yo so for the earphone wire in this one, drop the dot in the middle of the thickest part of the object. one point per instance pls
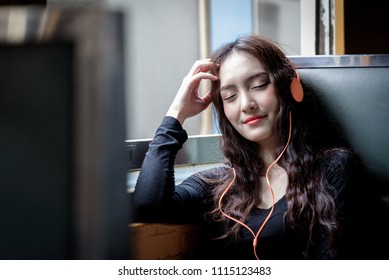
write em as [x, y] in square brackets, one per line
[255, 240]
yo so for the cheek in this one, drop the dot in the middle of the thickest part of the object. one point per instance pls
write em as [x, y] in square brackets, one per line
[270, 101]
[230, 113]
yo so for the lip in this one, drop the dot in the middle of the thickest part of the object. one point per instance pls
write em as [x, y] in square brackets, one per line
[253, 119]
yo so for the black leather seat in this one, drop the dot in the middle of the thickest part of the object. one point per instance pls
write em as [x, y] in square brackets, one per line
[355, 92]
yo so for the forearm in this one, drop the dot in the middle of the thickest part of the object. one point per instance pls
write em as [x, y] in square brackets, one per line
[155, 185]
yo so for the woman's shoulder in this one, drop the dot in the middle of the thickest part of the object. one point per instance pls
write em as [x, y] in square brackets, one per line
[340, 167]
[337, 159]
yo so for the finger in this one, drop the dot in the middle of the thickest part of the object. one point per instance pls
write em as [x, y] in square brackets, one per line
[202, 76]
[207, 99]
[203, 65]
[195, 80]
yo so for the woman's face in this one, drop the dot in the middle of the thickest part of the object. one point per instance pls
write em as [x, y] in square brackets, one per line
[249, 98]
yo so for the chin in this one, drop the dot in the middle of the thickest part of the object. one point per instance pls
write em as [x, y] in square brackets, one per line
[258, 138]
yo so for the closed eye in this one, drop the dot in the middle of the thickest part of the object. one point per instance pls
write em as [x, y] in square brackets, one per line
[230, 97]
[261, 86]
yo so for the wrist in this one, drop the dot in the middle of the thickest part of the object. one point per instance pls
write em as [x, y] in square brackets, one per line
[176, 114]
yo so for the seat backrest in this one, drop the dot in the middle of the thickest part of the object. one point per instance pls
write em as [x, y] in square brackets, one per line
[354, 90]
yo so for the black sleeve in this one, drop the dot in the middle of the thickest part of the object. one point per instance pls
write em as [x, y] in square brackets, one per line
[156, 197]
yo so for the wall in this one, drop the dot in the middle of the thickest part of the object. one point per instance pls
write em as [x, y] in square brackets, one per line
[162, 42]
[280, 20]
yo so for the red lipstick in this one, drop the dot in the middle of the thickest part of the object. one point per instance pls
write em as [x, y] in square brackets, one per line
[253, 119]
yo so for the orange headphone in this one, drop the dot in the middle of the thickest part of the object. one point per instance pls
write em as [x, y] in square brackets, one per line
[297, 92]
[297, 89]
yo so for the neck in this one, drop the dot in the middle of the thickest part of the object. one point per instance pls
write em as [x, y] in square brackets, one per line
[267, 151]
[268, 157]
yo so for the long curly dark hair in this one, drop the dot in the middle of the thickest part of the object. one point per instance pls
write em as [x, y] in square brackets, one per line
[310, 202]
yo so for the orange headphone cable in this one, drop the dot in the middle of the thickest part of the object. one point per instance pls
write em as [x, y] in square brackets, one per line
[255, 240]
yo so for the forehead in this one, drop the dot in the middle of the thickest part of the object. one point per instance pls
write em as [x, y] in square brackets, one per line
[239, 65]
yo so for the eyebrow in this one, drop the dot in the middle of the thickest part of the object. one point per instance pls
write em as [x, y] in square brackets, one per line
[250, 78]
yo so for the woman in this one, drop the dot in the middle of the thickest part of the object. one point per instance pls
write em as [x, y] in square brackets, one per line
[282, 192]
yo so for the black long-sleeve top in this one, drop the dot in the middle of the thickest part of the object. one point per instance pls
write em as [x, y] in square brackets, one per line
[157, 198]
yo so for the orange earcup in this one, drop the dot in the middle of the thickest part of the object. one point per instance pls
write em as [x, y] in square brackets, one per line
[297, 89]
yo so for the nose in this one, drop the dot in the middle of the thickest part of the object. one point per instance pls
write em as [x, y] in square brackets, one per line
[248, 104]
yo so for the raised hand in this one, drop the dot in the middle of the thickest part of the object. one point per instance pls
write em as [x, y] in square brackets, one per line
[187, 102]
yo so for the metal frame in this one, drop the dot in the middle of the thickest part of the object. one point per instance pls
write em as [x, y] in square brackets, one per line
[196, 150]
[336, 61]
